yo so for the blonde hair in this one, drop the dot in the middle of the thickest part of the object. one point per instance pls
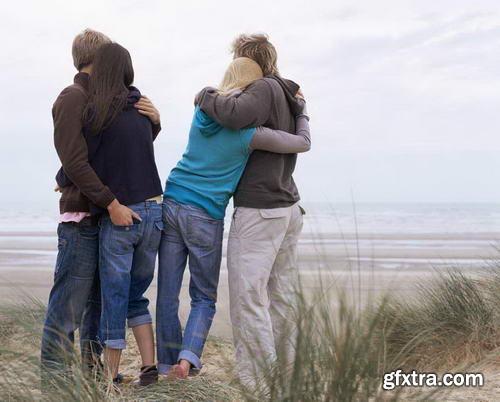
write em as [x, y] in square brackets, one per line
[85, 46]
[241, 72]
[257, 47]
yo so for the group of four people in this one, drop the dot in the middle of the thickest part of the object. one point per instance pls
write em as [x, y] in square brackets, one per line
[116, 217]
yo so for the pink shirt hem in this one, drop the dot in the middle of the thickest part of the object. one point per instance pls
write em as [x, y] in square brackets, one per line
[73, 217]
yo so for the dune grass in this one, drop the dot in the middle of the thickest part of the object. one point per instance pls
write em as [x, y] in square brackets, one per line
[339, 356]
[450, 324]
[20, 334]
[342, 350]
[451, 321]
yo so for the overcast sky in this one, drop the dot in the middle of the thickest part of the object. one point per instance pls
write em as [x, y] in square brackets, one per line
[404, 96]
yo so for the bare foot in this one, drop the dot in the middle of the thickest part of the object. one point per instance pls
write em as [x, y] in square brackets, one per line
[180, 371]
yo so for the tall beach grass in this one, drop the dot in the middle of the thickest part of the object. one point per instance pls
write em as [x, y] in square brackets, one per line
[342, 350]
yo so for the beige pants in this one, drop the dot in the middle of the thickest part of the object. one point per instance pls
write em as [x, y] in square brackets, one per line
[263, 274]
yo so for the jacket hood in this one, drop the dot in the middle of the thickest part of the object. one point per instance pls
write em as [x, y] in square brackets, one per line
[290, 89]
[134, 95]
[205, 123]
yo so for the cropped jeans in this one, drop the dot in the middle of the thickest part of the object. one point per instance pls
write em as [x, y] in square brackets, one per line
[127, 256]
[189, 232]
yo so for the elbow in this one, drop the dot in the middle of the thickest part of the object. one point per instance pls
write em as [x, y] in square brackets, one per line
[306, 147]
[156, 129]
[71, 168]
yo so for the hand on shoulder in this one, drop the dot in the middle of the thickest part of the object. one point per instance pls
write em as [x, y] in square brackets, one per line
[147, 108]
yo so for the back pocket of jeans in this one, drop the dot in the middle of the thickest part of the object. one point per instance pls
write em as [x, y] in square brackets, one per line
[202, 232]
[155, 238]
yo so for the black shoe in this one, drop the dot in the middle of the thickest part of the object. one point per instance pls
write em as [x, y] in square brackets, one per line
[96, 371]
[118, 379]
[92, 366]
[93, 369]
[148, 376]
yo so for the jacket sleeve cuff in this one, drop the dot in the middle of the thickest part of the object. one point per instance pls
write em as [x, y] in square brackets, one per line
[106, 198]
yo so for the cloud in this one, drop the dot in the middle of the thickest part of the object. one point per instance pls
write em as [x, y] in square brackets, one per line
[385, 77]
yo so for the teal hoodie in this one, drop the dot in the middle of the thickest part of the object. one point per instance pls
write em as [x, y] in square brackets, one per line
[211, 166]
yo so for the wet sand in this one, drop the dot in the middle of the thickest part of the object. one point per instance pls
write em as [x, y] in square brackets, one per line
[362, 265]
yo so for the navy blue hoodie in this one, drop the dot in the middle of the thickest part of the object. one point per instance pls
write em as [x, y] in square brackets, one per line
[122, 155]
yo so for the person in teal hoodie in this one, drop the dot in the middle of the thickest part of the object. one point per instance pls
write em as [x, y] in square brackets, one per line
[197, 193]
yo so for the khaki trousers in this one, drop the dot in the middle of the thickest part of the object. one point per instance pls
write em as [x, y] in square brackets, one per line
[263, 275]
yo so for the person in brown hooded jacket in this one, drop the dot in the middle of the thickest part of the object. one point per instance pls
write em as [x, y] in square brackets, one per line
[267, 218]
[74, 301]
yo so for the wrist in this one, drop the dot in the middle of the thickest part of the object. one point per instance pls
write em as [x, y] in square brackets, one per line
[113, 205]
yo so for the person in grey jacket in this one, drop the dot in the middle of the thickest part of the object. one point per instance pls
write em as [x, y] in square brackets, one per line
[267, 219]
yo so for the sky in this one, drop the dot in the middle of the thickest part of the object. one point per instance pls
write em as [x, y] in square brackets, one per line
[404, 96]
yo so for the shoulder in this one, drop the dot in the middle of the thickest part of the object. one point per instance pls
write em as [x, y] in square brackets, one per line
[262, 88]
[271, 82]
[134, 94]
[200, 114]
[278, 83]
[263, 84]
[202, 119]
[271, 85]
[72, 96]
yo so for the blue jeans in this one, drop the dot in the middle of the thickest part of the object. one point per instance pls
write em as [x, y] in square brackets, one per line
[127, 256]
[189, 231]
[74, 300]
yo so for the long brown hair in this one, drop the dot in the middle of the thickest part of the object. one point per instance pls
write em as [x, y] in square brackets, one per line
[112, 74]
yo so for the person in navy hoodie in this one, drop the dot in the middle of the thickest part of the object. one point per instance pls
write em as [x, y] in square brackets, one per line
[120, 146]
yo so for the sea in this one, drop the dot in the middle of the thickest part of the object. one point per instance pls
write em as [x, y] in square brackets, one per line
[382, 235]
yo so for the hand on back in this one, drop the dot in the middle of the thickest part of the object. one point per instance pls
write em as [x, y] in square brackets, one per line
[302, 99]
[147, 108]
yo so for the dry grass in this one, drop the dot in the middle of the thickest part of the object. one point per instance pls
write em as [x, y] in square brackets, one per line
[450, 322]
[20, 329]
[342, 352]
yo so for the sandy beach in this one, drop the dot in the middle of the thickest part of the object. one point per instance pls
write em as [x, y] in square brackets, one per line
[386, 251]
[363, 265]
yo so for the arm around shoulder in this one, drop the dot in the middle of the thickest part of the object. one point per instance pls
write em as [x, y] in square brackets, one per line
[282, 142]
[251, 108]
